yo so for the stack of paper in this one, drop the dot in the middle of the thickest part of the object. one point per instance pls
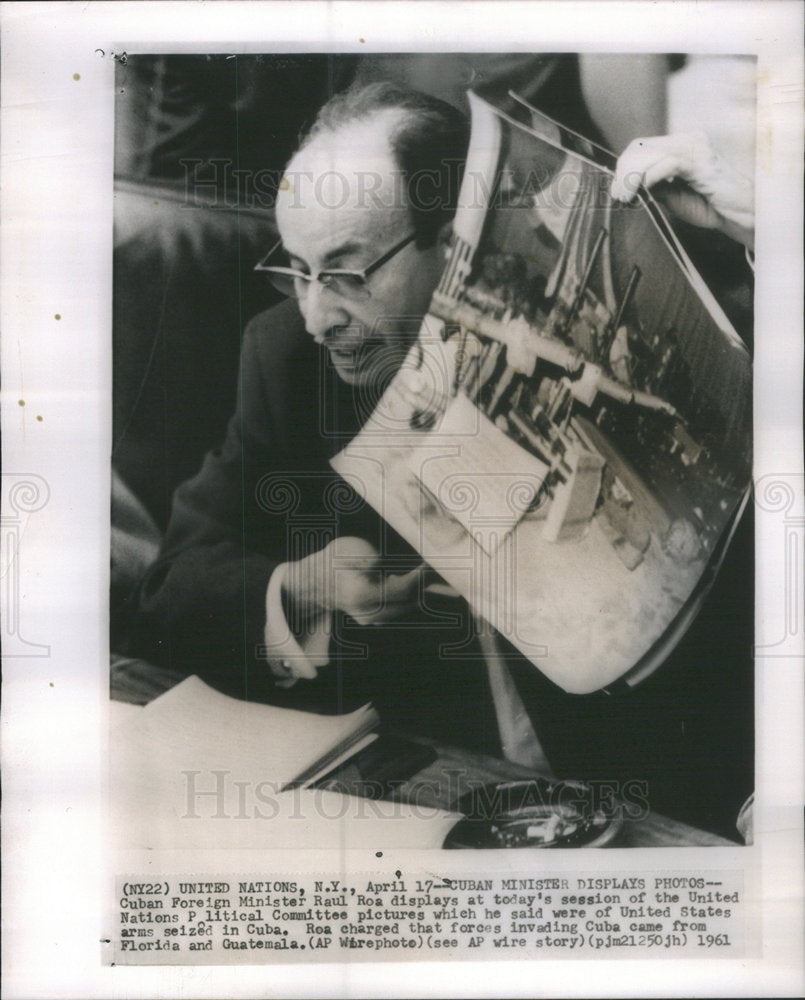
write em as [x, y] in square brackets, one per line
[196, 768]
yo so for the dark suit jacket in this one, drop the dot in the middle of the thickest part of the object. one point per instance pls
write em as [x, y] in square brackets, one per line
[268, 495]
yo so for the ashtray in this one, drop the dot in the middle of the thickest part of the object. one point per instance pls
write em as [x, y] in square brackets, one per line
[538, 814]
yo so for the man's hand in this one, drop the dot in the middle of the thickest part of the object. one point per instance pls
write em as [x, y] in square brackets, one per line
[347, 575]
[714, 196]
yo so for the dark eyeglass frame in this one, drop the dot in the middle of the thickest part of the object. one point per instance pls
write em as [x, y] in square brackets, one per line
[283, 277]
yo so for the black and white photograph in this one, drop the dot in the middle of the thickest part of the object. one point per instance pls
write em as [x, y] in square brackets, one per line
[418, 406]
[446, 522]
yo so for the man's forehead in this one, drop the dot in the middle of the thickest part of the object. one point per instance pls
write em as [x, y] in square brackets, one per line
[347, 179]
[352, 155]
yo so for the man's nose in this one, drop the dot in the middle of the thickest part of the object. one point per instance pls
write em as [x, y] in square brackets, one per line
[322, 310]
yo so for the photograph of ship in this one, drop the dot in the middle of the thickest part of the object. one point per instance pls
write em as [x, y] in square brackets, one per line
[577, 409]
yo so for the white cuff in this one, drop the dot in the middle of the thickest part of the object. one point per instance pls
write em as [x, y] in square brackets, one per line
[292, 657]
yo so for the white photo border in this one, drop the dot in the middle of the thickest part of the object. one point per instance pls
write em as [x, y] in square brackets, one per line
[56, 174]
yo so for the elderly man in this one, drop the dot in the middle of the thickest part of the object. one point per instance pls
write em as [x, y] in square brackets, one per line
[266, 542]
[277, 582]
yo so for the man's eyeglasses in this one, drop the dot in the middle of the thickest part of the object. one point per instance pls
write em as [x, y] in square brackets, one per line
[351, 284]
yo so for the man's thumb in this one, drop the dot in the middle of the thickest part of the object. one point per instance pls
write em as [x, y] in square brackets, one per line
[400, 585]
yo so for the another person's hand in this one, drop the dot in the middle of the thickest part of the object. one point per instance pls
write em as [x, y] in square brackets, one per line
[714, 195]
[348, 575]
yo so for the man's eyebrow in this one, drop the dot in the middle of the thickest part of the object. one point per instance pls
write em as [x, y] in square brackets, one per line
[342, 250]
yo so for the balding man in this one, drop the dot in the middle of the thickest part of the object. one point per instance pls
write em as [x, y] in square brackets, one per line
[274, 575]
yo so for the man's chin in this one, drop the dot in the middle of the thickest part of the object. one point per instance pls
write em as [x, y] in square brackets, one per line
[348, 373]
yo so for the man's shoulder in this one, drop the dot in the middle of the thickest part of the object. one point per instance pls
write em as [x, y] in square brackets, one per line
[277, 355]
[278, 333]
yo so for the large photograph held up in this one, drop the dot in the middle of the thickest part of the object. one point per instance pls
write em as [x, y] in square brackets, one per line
[540, 473]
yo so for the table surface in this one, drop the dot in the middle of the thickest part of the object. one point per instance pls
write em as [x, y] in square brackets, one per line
[439, 783]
